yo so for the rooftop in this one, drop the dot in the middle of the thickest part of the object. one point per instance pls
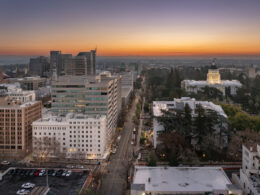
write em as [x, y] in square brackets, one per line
[166, 105]
[47, 118]
[181, 179]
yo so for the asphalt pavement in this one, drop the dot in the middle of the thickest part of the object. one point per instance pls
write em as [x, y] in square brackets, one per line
[114, 182]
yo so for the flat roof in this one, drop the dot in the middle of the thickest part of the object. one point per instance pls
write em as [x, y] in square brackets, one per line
[181, 179]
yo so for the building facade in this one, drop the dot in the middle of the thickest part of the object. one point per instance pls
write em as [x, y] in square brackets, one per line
[75, 135]
[249, 179]
[91, 61]
[39, 66]
[182, 180]
[15, 126]
[179, 104]
[90, 95]
[214, 81]
[17, 94]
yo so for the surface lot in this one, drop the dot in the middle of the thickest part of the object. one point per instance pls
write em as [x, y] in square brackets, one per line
[58, 185]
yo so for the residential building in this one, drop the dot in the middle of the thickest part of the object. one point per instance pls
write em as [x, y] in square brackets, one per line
[17, 93]
[76, 135]
[91, 61]
[214, 81]
[39, 66]
[249, 179]
[182, 180]
[90, 95]
[15, 126]
[179, 104]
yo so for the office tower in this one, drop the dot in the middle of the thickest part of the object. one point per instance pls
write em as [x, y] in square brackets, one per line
[76, 136]
[78, 66]
[64, 62]
[91, 95]
[15, 126]
[54, 55]
[91, 61]
[39, 66]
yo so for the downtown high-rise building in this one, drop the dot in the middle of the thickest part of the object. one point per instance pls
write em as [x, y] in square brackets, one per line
[39, 66]
[65, 64]
[91, 61]
[91, 95]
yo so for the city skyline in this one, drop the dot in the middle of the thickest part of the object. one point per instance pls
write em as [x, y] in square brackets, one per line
[136, 28]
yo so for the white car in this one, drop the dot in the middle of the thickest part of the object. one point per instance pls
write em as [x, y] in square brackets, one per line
[68, 173]
[64, 173]
[28, 185]
[5, 162]
[23, 192]
[42, 172]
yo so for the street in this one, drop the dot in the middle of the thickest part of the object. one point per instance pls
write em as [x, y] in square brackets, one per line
[114, 182]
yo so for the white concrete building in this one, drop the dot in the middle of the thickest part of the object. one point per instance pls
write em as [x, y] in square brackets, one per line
[180, 105]
[249, 179]
[17, 93]
[213, 80]
[75, 134]
[182, 180]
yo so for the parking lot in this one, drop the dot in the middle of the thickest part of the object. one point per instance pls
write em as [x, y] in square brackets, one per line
[67, 184]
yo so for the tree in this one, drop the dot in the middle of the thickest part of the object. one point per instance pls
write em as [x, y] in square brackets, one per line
[47, 147]
[173, 161]
[151, 161]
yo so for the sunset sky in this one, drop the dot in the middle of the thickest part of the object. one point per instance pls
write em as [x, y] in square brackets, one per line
[130, 27]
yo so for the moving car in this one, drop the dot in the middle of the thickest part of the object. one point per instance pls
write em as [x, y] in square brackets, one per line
[28, 185]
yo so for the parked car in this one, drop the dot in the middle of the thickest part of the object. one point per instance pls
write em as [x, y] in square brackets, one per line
[54, 173]
[42, 172]
[31, 172]
[23, 192]
[50, 172]
[36, 173]
[5, 162]
[59, 172]
[68, 173]
[64, 173]
[10, 172]
[28, 185]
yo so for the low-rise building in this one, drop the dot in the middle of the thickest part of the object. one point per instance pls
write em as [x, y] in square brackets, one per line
[17, 93]
[179, 104]
[182, 180]
[249, 179]
[74, 135]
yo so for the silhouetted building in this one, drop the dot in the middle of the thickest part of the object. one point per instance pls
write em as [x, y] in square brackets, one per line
[39, 66]
[78, 67]
[54, 55]
[91, 61]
